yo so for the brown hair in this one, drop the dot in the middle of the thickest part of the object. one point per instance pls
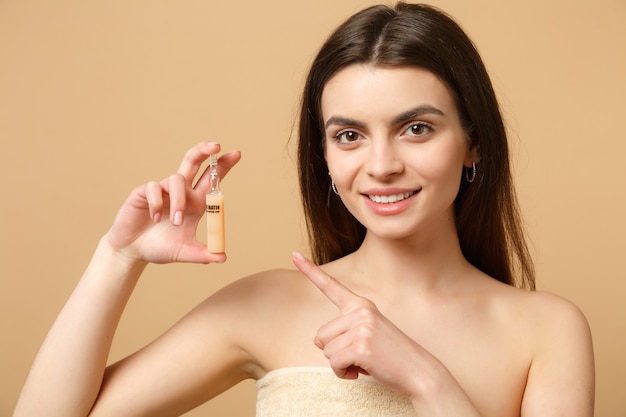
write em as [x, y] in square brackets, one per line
[487, 215]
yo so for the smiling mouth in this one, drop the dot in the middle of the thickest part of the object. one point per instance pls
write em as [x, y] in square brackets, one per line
[393, 198]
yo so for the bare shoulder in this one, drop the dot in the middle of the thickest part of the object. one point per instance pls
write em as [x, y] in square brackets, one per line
[549, 314]
[539, 310]
[271, 316]
[558, 325]
[555, 306]
[264, 288]
[561, 376]
[541, 323]
[249, 302]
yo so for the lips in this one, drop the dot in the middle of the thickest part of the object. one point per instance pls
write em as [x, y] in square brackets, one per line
[391, 198]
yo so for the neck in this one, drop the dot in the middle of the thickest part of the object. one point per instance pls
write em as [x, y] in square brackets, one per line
[430, 261]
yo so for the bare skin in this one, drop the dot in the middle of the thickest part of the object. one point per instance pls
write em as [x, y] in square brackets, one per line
[406, 308]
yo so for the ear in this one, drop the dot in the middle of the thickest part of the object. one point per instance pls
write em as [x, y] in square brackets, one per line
[472, 156]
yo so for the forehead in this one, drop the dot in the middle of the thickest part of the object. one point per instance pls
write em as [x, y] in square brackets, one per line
[372, 91]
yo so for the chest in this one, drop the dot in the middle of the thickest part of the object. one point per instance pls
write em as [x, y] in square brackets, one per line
[487, 355]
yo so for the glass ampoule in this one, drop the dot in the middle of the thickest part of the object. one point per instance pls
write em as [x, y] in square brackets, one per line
[215, 210]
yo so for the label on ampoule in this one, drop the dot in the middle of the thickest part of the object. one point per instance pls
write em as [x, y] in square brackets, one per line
[215, 223]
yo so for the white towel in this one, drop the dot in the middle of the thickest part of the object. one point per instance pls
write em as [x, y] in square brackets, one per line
[317, 391]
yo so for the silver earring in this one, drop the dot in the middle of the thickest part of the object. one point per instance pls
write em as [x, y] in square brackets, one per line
[332, 185]
[473, 177]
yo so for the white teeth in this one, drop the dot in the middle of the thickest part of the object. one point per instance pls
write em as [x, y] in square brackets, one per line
[390, 198]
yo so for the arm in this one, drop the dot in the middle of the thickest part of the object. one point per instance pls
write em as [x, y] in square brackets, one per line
[73, 356]
[561, 380]
[157, 223]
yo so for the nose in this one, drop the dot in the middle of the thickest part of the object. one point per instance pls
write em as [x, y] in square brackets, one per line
[383, 160]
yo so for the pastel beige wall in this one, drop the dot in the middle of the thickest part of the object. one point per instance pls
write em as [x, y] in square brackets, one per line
[97, 97]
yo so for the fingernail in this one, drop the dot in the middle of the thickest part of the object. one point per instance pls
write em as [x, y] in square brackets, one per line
[178, 218]
[157, 217]
[297, 255]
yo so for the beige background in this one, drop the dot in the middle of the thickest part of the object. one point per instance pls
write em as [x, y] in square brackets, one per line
[97, 97]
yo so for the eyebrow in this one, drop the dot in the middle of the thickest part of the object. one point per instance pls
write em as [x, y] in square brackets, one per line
[415, 112]
[343, 121]
[407, 115]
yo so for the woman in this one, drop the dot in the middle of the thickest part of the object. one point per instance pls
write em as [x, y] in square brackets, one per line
[415, 308]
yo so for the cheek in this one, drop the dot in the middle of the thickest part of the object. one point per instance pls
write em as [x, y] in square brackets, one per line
[442, 170]
[442, 162]
[342, 177]
[341, 167]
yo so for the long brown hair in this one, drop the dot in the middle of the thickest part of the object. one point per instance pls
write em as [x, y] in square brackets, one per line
[487, 215]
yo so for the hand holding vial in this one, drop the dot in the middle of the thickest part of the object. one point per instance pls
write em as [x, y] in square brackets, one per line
[158, 221]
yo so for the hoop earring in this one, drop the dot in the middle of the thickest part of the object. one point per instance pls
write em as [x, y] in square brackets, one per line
[473, 177]
[332, 186]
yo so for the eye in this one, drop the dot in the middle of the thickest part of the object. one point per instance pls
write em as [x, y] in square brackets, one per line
[346, 137]
[418, 129]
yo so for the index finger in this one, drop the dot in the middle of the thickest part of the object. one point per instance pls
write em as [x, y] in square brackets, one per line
[194, 158]
[336, 292]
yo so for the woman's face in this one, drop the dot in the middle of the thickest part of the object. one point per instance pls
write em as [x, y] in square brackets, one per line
[394, 146]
